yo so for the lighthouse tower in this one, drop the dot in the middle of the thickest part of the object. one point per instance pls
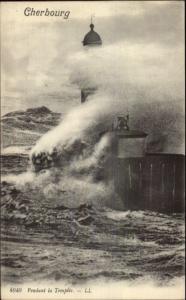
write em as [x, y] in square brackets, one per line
[91, 39]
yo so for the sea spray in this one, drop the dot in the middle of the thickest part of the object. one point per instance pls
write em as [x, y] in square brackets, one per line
[124, 71]
[139, 80]
[75, 136]
[124, 82]
[70, 149]
[75, 124]
[82, 179]
[97, 158]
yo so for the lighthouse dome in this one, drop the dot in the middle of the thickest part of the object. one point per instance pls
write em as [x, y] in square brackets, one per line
[92, 38]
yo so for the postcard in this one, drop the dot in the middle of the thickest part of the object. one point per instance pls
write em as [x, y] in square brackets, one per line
[92, 151]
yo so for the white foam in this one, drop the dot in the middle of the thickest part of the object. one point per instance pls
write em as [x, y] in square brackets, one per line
[15, 150]
[20, 179]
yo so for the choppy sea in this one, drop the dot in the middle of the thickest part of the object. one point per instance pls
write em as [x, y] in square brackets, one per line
[43, 239]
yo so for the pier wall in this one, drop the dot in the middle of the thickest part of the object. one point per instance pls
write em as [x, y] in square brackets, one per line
[153, 182]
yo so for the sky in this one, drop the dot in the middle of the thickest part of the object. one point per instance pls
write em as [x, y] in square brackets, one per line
[38, 53]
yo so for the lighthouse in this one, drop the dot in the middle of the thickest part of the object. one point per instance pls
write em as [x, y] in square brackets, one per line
[126, 142]
[91, 39]
[142, 180]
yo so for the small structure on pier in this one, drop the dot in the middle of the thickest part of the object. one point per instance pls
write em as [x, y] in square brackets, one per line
[127, 143]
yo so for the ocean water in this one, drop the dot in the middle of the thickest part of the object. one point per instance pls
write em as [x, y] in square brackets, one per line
[44, 239]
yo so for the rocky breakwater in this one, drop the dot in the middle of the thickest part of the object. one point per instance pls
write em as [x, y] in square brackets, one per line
[57, 158]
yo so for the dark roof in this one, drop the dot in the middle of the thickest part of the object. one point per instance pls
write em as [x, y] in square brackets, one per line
[92, 38]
